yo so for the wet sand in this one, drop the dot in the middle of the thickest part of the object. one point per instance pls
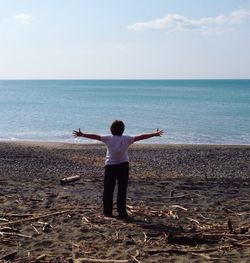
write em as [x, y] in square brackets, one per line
[189, 203]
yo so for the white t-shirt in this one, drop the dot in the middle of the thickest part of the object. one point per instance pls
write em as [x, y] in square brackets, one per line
[117, 148]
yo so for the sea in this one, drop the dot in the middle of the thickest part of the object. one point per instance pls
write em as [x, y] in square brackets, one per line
[189, 111]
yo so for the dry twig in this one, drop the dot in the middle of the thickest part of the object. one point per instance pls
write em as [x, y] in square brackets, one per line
[33, 218]
[90, 260]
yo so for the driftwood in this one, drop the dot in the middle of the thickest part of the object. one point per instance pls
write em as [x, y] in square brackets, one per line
[70, 179]
[136, 255]
[180, 207]
[14, 234]
[193, 220]
[17, 215]
[90, 260]
[41, 257]
[33, 218]
[4, 220]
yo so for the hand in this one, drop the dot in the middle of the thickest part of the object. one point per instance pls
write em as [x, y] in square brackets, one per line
[77, 133]
[159, 132]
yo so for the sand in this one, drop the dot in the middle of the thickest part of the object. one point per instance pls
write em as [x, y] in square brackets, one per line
[189, 203]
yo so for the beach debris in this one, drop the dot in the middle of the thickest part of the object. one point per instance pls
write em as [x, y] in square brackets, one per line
[70, 179]
[202, 229]
[173, 214]
[180, 207]
[4, 220]
[46, 227]
[14, 234]
[148, 211]
[41, 257]
[91, 260]
[17, 215]
[84, 218]
[137, 254]
[193, 220]
[117, 234]
[34, 218]
[35, 229]
[7, 229]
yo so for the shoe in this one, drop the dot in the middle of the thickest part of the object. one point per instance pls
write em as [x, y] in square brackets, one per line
[108, 215]
[126, 218]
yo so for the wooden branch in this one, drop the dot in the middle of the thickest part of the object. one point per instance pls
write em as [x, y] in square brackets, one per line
[136, 255]
[33, 218]
[14, 234]
[70, 179]
[35, 229]
[4, 220]
[193, 220]
[180, 207]
[17, 215]
[90, 260]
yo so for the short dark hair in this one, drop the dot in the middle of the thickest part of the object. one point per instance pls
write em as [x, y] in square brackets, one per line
[117, 127]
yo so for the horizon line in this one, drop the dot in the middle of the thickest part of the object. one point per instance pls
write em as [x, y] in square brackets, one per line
[117, 79]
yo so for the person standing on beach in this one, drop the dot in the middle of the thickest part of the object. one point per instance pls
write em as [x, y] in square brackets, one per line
[116, 164]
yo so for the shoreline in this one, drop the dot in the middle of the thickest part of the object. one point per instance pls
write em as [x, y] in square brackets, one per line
[144, 144]
[183, 160]
[180, 196]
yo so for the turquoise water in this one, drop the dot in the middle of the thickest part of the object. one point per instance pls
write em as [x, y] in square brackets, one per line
[191, 111]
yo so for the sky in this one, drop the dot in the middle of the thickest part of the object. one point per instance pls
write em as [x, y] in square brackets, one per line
[132, 39]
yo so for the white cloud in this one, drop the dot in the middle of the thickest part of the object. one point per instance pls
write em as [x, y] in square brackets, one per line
[6, 20]
[175, 22]
[23, 18]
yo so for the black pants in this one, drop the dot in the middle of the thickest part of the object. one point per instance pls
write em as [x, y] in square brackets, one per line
[120, 173]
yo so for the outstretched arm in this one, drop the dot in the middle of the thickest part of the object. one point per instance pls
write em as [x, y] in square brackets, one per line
[148, 135]
[86, 135]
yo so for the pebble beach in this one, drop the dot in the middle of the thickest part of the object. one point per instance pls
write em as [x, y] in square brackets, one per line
[189, 203]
